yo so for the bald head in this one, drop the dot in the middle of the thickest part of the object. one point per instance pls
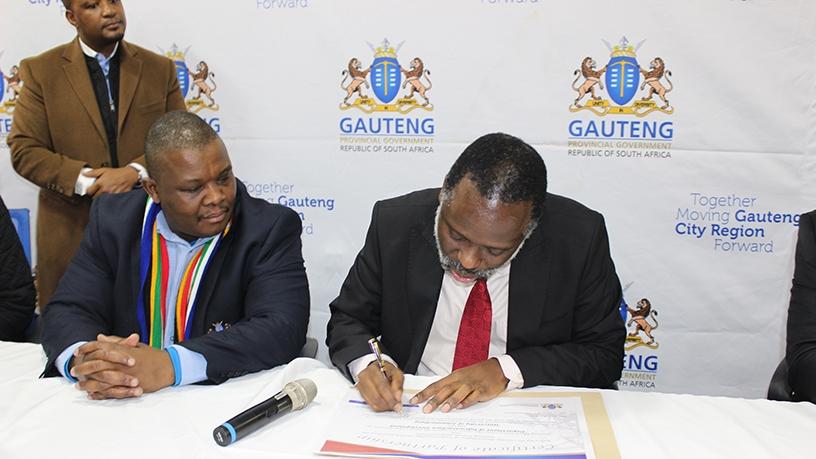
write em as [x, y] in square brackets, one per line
[175, 131]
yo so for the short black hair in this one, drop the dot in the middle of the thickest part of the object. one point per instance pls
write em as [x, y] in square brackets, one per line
[504, 167]
[174, 131]
[66, 4]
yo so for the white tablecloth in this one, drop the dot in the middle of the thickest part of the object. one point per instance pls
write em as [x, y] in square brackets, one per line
[50, 418]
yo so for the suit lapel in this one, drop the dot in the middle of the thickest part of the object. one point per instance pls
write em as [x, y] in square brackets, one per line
[423, 283]
[130, 71]
[529, 273]
[76, 71]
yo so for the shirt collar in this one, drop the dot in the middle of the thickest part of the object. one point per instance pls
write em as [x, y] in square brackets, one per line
[90, 52]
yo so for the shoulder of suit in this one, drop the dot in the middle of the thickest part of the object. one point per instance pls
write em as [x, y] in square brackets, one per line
[127, 207]
[560, 207]
[422, 198]
[47, 57]
[119, 200]
[145, 54]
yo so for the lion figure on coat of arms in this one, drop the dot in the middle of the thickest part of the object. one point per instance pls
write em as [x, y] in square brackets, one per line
[640, 318]
[591, 77]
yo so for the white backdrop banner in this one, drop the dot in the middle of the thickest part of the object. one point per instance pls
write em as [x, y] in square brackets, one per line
[689, 125]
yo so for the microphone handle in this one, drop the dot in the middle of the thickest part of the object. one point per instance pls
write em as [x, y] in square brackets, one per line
[252, 419]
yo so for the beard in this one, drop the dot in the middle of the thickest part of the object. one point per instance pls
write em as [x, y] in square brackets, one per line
[449, 263]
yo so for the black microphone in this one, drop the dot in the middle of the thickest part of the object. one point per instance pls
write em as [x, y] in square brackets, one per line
[294, 396]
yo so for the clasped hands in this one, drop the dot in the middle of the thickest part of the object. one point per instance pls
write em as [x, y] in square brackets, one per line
[463, 388]
[116, 367]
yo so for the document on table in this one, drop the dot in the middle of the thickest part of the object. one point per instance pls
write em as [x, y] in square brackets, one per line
[530, 427]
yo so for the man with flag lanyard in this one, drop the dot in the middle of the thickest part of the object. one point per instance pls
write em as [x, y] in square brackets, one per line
[490, 280]
[188, 280]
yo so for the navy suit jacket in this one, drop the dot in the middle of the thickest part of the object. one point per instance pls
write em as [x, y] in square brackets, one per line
[801, 346]
[256, 284]
[563, 326]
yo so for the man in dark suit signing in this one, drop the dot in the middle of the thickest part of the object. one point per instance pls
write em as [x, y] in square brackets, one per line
[189, 279]
[488, 280]
[801, 340]
[80, 123]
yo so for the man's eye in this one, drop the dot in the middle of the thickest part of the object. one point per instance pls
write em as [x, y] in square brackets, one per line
[192, 190]
[496, 252]
[456, 236]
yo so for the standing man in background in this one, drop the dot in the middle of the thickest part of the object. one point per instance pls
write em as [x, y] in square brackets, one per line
[80, 124]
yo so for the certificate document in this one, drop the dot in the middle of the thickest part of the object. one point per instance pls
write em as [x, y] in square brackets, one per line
[530, 427]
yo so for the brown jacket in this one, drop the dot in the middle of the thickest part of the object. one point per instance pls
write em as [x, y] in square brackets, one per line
[57, 130]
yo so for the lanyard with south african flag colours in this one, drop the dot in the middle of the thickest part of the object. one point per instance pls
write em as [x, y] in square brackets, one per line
[154, 267]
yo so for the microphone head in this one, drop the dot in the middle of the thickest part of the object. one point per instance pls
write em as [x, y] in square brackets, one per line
[301, 391]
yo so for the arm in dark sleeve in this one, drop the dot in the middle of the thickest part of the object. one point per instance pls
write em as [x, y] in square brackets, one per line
[593, 357]
[356, 312]
[801, 340]
[16, 286]
[276, 305]
[30, 143]
[82, 305]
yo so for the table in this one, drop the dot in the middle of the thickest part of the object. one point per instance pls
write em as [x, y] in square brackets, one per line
[50, 418]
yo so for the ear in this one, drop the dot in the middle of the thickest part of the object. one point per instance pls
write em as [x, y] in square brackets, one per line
[69, 15]
[150, 186]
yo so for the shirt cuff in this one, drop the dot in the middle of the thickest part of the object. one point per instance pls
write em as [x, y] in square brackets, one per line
[64, 359]
[511, 371]
[359, 364]
[83, 182]
[141, 170]
[192, 365]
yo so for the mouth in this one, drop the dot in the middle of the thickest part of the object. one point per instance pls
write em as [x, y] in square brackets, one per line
[112, 25]
[463, 278]
[216, 217]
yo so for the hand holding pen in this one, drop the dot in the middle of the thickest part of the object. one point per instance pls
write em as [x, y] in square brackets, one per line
[374, 344]
[380, 383]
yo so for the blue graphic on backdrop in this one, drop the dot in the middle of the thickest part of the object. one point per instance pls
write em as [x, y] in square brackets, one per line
[622, 78]
[386, 81]
[386, 77]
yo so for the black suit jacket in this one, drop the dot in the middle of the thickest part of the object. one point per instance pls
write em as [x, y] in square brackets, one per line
[564, 325]
[16, 285]
[256, 283]
[801, 348]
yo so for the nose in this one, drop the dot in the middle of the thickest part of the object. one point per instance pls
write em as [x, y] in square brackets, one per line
[214, 195]
[469, 257]
[107, 8]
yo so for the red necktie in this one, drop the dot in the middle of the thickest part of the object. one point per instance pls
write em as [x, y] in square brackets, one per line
[473, 341]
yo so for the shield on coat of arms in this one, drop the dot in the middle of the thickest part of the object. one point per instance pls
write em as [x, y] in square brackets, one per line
[385, 78]
[622, 78]
[183, 75]
[2, 86]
